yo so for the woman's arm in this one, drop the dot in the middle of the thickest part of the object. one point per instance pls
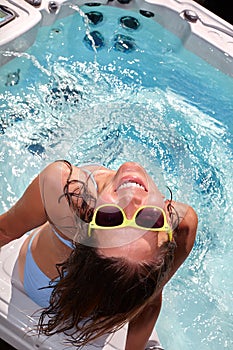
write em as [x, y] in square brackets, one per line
[141, 328]
[43, 200]
[185, 236]
[29, 211]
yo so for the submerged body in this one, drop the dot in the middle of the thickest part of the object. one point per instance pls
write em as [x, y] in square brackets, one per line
[55, 240]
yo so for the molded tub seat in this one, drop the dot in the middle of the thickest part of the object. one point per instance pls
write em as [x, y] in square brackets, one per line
[19, 314]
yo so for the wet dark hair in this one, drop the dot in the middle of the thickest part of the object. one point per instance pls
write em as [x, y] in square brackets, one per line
[79, 199]
[102, 292]
[96, 294]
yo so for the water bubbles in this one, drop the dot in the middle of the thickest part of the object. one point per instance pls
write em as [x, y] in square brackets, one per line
[60, 94]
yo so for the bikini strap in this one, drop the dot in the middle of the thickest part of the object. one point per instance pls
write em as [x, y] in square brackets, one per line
[63, 240]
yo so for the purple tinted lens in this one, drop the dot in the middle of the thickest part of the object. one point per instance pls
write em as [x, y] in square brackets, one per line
[109, 217]
[150, 218]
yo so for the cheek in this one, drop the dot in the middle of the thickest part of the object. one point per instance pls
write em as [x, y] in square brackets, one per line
[155, 197]
[106, 196]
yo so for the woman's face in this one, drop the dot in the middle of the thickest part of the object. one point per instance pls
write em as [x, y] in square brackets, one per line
[130, 187]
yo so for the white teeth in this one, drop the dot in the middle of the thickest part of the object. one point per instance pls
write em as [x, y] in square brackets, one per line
[130, 184]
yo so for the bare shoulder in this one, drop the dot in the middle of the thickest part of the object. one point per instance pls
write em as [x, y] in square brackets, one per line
[56, 171]
[188, 224]
[55, 176]
[184, 234]
[185, 215]
[60, 171]
[191, 217]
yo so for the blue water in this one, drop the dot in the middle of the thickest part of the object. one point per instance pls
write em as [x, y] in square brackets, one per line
[159, 105]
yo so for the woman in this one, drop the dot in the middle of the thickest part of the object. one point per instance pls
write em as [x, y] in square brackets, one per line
[105, 243]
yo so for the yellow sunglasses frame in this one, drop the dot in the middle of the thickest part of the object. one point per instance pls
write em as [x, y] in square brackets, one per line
[130, 222]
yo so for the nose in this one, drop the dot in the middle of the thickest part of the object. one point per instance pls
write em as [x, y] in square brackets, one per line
[130, 201]
[131, 207]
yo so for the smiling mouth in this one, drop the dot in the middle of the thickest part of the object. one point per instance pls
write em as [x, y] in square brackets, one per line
[130, 184]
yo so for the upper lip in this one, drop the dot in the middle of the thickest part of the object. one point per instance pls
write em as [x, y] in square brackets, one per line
[132, 179]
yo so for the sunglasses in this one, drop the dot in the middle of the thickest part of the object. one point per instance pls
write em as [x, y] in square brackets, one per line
[111, 216]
